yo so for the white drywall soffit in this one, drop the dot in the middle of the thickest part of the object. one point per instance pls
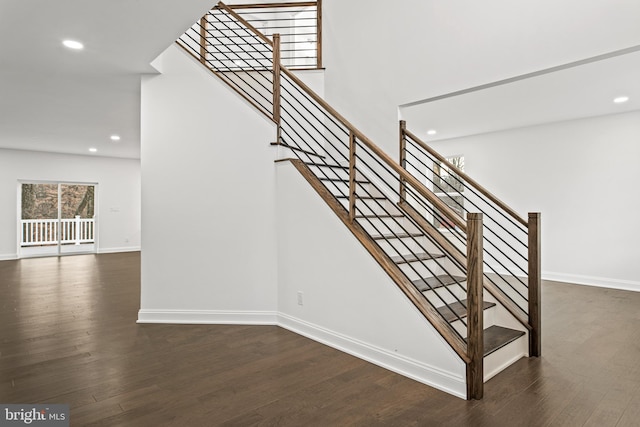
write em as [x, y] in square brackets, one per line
[582, 89]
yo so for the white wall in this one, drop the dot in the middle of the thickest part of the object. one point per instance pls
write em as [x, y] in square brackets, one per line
[380, 55]
[118, 204]
[582, 175]
[349, 302]
[208, 200]
[261, 235]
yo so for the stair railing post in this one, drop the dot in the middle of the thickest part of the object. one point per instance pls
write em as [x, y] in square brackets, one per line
[352, 176]
[203, 40]
[78, 231]
[535, 278]
[403, 159]
[276, 81]
[475, 327]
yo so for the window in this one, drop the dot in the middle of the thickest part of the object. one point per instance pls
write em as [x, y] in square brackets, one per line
[448, 187]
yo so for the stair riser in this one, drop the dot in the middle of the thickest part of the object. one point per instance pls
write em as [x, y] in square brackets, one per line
[376, 226]
[488, 319]
[373, 207]
[342, 188]
[406, 245]
[421, 269]
[446, 294]
[506, 356]
[339, 173]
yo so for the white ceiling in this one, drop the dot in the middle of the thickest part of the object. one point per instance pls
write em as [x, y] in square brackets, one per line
[572, 91]
[59, 100]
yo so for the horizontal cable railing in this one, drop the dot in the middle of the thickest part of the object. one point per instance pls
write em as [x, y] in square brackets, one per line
[368, 188]
[506, 238]
[297, 23]
[240, 56]
[395, 205]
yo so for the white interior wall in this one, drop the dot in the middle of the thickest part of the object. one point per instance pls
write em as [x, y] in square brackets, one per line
[208, 205]
[582, 175]
[261, 234]
[419, 49]
[118, 204]
[378, 55]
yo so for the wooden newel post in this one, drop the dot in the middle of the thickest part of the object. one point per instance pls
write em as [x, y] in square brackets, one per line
[276, 80]
[352, 176]
[203, 40]
[475, 326]
[535, 277]
[403, 159]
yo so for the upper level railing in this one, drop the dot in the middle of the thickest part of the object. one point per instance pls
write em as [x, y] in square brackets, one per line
[299, 24]
[511, 253]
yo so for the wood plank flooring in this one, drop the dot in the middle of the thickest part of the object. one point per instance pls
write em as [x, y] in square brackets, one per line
[68, 335]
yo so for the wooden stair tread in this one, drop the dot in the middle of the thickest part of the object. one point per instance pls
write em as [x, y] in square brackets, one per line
[496, 337]
[395, 236]
[291, 147]
[455, 311]
[430, 283]
[363, 197]
[324, 165]
[345, 180]
[414, 257]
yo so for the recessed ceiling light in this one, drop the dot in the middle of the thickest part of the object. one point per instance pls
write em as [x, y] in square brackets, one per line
[115, 137]
[72, 44]
[621, 99]
[431, 132]
[93, 150]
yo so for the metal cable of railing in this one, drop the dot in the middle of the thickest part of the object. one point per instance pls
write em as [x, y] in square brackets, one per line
[488, 225]
[396, 193]
[471, 189]
[402, 252]
[298, 25]
[318, 137]
[220, 66]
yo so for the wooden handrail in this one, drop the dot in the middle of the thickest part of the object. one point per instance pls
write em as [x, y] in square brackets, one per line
[467, 178]
[403, 174]
[245, 23]
[272, 5]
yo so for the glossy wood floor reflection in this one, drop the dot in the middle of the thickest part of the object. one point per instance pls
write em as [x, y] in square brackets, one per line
[68, 335]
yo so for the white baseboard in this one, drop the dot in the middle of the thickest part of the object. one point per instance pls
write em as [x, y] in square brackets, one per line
[117, 250]
[208, 317]
[601, 282]
[8, 257]
[446, 381]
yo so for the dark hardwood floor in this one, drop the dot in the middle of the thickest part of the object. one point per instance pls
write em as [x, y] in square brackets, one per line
[68, 335]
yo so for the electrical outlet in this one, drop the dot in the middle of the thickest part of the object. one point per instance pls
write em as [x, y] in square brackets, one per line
[299, 298]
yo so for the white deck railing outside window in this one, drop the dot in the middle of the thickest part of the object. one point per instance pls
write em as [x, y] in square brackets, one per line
[42, 232]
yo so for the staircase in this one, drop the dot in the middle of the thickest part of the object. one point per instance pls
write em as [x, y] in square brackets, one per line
[389, 208]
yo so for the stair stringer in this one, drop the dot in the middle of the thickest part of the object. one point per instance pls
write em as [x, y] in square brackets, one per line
[349, 301]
